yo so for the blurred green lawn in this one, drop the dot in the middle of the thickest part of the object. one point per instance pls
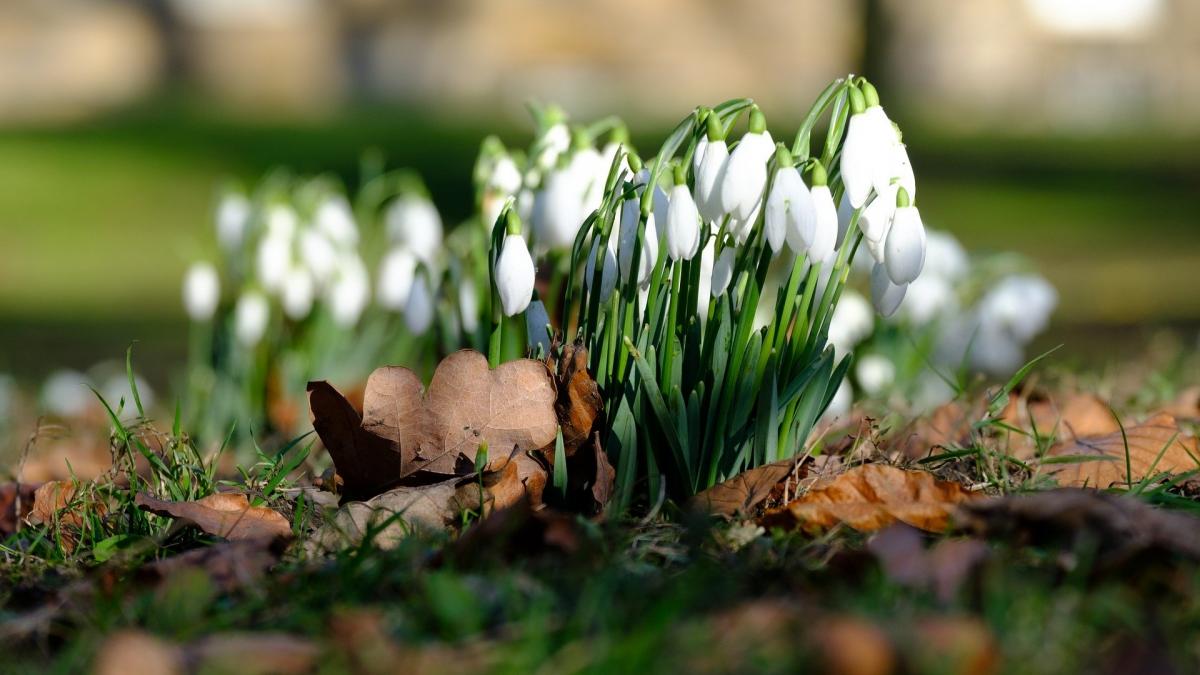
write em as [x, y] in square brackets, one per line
[97, 221]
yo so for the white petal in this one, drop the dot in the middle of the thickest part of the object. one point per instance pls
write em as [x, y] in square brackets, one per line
[683, 225]
[418, 313]
[723, 270]
[885, 295]
[876, 219]
[708, 179]
[826, 227]
[514, 275]
[905, 251]
[801, 214]
[745, 177]
[858, 155]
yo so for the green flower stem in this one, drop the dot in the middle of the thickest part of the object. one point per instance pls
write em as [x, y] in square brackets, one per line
[668, 346]
[800, 147]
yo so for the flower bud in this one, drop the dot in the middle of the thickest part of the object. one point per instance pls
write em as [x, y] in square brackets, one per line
[683, 224]
[350, 291]
[825, 228]
[396, 274]
[904, 254]
[250, 317]
[744, 180]
[201, 291]
[296, 296]
[514, 275]
[630, 215]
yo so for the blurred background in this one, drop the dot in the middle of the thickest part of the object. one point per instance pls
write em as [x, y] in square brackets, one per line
[1066, 130]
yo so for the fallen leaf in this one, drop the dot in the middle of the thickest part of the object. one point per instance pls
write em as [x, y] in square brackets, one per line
[252, 654]
[1186, 405]
[391, 516]
[224, 514]
[1122, 528]
[50, 502]
[16, 501]
[871, 497]
[590, 480]
[1041, 416]
[1155, 446]
[522, 477]
[230, 565]
[515, 532]
[852, 646]
[403, 431]
[578, 403]
[134, 651]
[744, 492]
[948, 426]
[952, 644]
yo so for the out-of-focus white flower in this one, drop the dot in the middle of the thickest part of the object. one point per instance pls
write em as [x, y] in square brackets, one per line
[825, 229]
[555, 141]
[931, 392]
[201, 291]
[592, 172]
[250, 317]
[350, 291]
[65, 393]
[928, 297]
[608, 273]
[944, 257]
[1020, 305]
[282, 221]
[297, 293]
[468, 306]
[875, 374]
[840, 404]
[396, 274]
[905, 249]
[335, 220]
[414, 223]
[514, 275]
[723, 270]
[232, 219]
[558, 211]
[851, 322]
[116, 389]
[995, 350]
[318, 254]
[648, 256]
[274, 259]
[418, 313]
[683, 224]
[745, 176]
[791, 214]
[885, 295]
[505, 176]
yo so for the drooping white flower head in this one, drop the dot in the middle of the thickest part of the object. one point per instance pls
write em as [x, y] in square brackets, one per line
[876, 373]
[335, 221]
[515, 273]
[414, 223]
[396, 274]
[297, 293]
[711, 157]
[707, 261]
[65, 393]
[840, 404]
[885, 295]
[683, 221]
[745, 176]
[929, 296]
[630, 217]
[1019, 305]
[201, 291]
[232, 219]
[851, 322]
[468, 306]
[825, 227]
[791, 214]
[558, 210]
[862, 151]
[944, 257]
[875, 221]
[350, 291]
[554, 142]
[506, 176]
[250, 317]
[905, 250]
[274, 259]
[418, 312]
[723, 271]
[318, 254]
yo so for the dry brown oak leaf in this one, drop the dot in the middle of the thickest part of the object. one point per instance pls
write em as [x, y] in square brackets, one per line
[225, 515]
[404, 429]
[871, 497]
[1156, 446]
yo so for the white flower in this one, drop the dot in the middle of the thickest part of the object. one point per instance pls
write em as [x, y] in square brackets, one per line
[723, 271]
[250, 317]
[553, 143]
[708, 180]
[414, 222]
[944, 257]
[928, 297]
[839, 405]
[904, 253]
[65, 393]
[875, 374]
[825, 229]
[875, 221]
[851, 322]
[350, 291]
[396, 274]
[418, 313]
[860, 155]
[335, 220]
[296, 296]
[505, 177]
[514, 275]
[791, 214]
[318, 254]
[201, 291]
[707, 261]
[744, 179]
[232, 217]
[648, 256]
[282, 221]
[742, 229]
[683, 224]
[608, 273]
[885, 295]
[1020, 305]
[468, 306]
[558, 211]
[591, 173]
[274, 259]
[845, 215]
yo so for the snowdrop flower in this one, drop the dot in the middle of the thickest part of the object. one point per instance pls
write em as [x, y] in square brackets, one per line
[928, 297]
[905, 250]
[297, 293]
[839, 405]
[885, 295]
[116, 389]
[505, 177]
[418, 313]
[65, 394]
[711, 158]
[413, 222]
[845, 215]
[722, 273]
[514, 270]
[232, 217]
[335, 220]
[608, 273]
[591, 173]
[558, 211]
[875, 221]
[995, 351]
[1020, 305]
[683, 221]
[201, 291]
[350, 290]
[631, 212]
[875, 374]
[396, 274]
[274, 259]
[862, 152]
[851, 322]
[744, 179]
[250, 317]
[791, 214]
[742, 229]
[468, 306]
[554, 142]
[945, 257]
[705, 294]
[282, 222]
[318, 254]
[825, 226]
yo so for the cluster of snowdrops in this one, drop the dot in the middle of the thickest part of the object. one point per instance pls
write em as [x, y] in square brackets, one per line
[720, 285]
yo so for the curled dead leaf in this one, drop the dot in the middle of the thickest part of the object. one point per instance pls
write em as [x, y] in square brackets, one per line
[225, 515]
[404, 430]
[1124, 458]
[744, 492]
[16, 502]
[871, 497]
[578, 403]
[230, 564]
